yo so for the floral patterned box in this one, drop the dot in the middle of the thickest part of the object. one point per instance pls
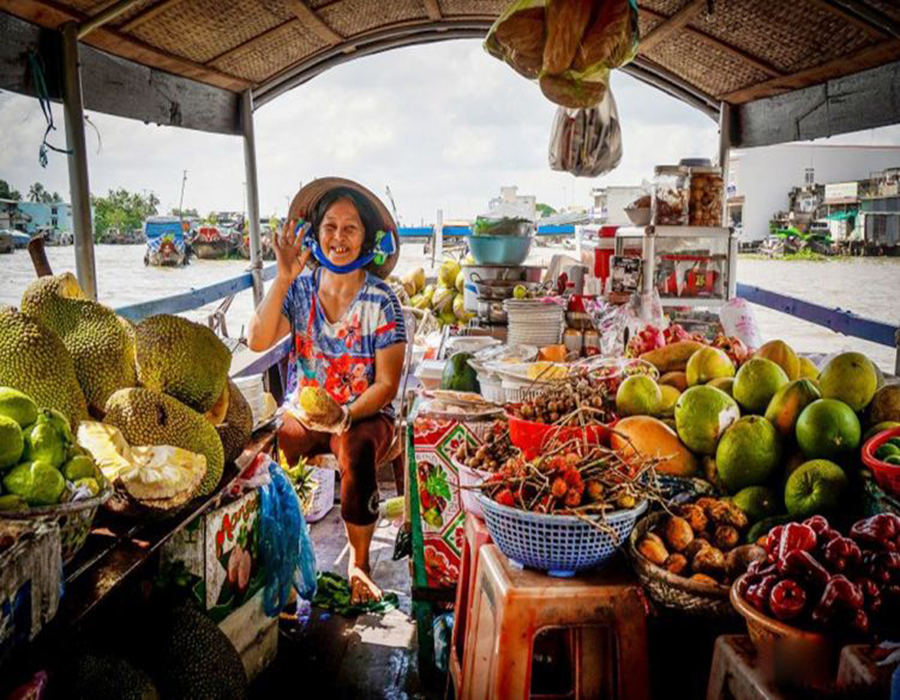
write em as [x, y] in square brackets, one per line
[437, 514]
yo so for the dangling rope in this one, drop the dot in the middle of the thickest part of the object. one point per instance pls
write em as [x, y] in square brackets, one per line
[36, 64]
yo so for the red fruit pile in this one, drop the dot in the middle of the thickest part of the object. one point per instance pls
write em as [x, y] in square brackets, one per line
[815, 577]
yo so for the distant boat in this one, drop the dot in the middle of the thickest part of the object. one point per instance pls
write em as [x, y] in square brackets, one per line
[268, 252]
[211, 242]
[7, 245]
[20, 240]
[166, 245]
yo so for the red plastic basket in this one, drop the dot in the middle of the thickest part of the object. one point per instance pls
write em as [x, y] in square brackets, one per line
[532, 438]
[887, 476]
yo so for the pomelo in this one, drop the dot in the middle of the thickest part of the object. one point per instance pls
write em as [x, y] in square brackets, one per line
[748, 453]
[702, 414]
[756, 382]
[885, 405]
[639, 395]
[808, 369]
[726, 384]
[782, 355]
[707, 364]
[850, 377]
[828, 428]
[669, 396]
[816, 487]
[757, 502]
[788, 403]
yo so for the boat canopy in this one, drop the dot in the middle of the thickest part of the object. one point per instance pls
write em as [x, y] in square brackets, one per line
[789, 70]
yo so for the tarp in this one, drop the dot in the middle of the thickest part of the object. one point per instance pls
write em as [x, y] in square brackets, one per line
[841, 215]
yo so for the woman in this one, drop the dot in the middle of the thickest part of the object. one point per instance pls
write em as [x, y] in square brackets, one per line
[349, 339]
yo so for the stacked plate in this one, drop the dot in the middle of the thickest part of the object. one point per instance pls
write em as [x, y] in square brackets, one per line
[534, 322]
[254, 392]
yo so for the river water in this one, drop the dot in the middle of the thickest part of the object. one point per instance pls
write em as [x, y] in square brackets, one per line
[867, 286]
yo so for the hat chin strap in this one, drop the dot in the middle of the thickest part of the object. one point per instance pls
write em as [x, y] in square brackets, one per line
[361, 261]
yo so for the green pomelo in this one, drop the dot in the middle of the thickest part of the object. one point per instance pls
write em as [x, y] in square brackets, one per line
[850, 377]
[788, 403]
[38, 483]
[726, 384]
[639, 395]
[885, 405]
[757, 502]
[816, 487]
[828, 428]
[707, 364]
[748, 453]
[756, 382]
[702, 415]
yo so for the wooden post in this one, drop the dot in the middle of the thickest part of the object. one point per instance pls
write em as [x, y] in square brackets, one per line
[78, 168]
[252, 188]
[438, 236]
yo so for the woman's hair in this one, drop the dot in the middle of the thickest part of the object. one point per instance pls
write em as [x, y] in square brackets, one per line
[371, 220]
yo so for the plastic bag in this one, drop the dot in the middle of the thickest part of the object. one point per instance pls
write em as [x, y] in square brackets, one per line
[286, 548]
[587, 142]
[738, 320]
[569, 46]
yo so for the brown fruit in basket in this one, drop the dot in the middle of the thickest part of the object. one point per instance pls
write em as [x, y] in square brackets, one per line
[706, 502]
[566, 23]
[678, 533]
[709, 560]
[676, 563]
[726, 537]
[695, 516]
[609, 38]
[575, 94]
[726, 513]
[652, 548]
[703, 578]
[739, 559]
[694, 547]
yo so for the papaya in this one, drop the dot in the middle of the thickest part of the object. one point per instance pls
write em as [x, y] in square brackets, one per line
[650, 437]
[782, 355]
[788, 403]
[676, 379]
[673, 356]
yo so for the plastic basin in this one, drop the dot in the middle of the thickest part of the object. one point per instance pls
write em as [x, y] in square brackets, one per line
[500, 250]
[887, 476]
[533, 438]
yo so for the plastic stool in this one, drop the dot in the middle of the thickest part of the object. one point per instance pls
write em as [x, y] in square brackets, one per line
[476, 535]
[603, 611]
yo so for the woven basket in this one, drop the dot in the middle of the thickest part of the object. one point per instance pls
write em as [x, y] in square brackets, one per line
[74, 520]
[676, 592]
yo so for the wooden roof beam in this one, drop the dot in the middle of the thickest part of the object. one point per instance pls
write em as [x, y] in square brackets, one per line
[252, 40]
[314, 22]
[861, 15]
[739, 54]
[671, 24]
[105, 15]
[148, 14]
[433, 8]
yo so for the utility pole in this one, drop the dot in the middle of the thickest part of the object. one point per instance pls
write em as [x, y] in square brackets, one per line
[181, 199]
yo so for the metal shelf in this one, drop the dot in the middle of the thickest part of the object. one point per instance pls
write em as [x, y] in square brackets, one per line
[674, 231]
[693, 301]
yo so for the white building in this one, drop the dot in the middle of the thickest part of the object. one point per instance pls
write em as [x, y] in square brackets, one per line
[760, 178]
[610, 202]
[510, 203]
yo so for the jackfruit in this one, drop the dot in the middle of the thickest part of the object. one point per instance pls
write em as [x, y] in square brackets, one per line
[216, 414]
[102, 677]
[182, 359]
[238, 425]
[101, 346]
[318, 405]
[34, 360]
[147, 417]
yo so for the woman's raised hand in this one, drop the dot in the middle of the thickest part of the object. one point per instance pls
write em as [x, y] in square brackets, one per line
[288, 254]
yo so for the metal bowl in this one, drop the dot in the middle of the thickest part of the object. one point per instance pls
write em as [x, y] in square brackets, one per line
[491, 311]
[500, 250]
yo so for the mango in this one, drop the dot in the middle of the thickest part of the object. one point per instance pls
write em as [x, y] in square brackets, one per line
[651, 438]
[673, 356]
[788, 403]
[677, 379]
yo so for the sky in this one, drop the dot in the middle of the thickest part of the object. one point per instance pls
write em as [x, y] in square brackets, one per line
[443, 125]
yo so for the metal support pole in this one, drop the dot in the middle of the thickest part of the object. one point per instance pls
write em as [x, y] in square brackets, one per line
[439, 236]
[78, 168]
[252, 196]
[725, 125]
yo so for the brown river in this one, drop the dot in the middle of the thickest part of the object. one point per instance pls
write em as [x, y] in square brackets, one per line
[867, 286]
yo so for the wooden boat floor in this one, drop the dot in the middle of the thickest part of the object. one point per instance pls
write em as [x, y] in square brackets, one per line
[370, 656]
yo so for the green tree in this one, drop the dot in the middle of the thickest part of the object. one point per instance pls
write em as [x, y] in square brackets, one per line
[121, 210]
[7, 192]
[544, 209]
[36, 193]
[53, 198]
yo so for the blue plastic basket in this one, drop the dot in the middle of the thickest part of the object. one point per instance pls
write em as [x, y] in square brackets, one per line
[561, 545]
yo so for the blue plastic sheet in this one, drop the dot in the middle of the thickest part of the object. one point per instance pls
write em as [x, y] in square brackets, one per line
[285, 545]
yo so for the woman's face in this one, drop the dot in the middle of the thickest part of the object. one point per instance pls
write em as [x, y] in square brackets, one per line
[341, 233]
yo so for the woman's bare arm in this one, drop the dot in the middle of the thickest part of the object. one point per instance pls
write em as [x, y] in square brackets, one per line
[388, 367]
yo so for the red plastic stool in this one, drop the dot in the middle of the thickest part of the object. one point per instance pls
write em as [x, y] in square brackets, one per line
[603, 612]
[476, 536]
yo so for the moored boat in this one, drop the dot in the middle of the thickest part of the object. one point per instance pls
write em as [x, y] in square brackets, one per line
[166, 245]
[211, 243]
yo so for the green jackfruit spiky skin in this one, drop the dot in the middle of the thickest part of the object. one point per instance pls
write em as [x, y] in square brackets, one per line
[148, 417]
[182, 359]
[100, 344]
[101, 677]
[238, 425]
[34, 360]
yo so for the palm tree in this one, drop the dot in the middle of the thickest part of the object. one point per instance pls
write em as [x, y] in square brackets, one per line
[36, 192]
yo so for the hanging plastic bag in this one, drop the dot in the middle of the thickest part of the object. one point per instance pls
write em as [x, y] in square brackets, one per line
[285, 546]
[568, 46]
[587, 142]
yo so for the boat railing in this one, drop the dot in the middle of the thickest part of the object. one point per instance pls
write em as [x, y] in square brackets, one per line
[836, 319]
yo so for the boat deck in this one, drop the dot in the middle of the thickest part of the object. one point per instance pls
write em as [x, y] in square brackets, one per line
[370, 656]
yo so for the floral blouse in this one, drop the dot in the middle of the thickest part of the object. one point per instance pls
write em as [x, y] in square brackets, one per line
[340, 356]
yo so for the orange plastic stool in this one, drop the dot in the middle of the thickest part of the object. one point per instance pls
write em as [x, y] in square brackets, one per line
[603, 611]
[476, 535]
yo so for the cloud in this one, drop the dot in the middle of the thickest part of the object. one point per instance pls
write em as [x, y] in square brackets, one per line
[443, 125]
